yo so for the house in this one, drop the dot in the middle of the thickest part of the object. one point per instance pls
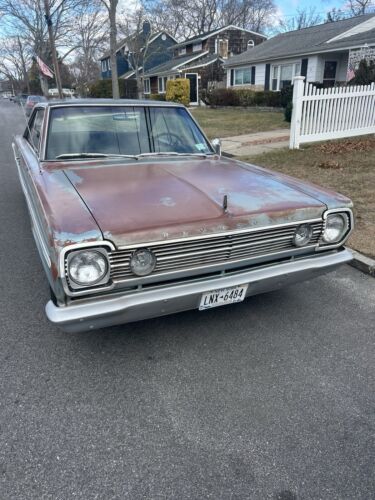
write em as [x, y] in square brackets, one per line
[325, 53]
[200, 59]
[157, 53]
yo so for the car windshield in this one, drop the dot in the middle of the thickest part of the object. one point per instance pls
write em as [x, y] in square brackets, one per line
[122, 130]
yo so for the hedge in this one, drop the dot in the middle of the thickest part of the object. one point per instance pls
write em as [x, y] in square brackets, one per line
[103, 89]
[157, 97]
[247, 97]
[178, 91]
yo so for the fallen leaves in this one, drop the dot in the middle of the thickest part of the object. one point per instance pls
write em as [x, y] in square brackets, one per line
[333, 164]
[347, 146]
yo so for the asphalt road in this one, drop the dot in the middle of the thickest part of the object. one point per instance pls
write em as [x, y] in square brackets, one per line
[271, 398]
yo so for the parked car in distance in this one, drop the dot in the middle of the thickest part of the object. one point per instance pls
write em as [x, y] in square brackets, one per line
[20, 99]
[31, 101]
[136, 215]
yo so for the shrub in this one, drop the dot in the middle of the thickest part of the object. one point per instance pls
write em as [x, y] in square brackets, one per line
[157, 97]
[222, 97]
[242, 97]
[364, 74]
[103, 89]
[286, 95]
[178, 91]
[288, 112]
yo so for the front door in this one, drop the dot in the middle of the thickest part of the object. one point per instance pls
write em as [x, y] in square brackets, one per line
[329, 75]
[193, 78]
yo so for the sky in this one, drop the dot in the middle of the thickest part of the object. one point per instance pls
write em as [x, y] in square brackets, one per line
[288, 8]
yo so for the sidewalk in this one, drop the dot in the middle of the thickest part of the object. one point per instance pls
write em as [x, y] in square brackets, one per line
[255, 144]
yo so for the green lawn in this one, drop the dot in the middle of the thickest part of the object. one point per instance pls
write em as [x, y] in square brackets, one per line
[346, 166]
[226, 122]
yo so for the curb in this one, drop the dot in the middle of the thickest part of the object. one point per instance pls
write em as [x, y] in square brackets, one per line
[363, 263]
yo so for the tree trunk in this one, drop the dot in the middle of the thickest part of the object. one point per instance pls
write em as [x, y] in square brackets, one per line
[24, 69]
[113, 46]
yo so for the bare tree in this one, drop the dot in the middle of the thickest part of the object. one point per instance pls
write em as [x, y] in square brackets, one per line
[184, 19]
[111, 6]
[89, 38]
[359, 7]
[335, 15]
[303, 19]
[27, 18]
[14, 60]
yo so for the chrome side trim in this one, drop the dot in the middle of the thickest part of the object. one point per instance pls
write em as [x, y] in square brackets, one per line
[37, 232]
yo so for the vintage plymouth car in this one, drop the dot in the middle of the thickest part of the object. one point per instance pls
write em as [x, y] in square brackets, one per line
[136, 215]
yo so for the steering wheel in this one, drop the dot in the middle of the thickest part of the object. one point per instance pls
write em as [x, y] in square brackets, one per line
[170, 135]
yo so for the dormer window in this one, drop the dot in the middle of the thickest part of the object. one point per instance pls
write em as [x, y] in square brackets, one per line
[181, 51]
[222, 48]
[250, 44]
[197, 46]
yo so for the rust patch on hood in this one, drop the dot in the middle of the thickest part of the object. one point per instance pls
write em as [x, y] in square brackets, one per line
[156, 200]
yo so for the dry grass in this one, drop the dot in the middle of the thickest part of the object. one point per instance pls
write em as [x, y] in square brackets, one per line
[346, 166]
[237, 121]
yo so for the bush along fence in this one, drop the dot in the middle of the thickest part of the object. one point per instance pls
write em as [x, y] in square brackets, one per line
[330, 113]
[248, 98]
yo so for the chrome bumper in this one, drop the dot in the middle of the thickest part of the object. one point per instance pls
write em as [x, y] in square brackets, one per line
[103, 312]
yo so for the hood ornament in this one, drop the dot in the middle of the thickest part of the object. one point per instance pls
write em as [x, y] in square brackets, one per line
[225, 203]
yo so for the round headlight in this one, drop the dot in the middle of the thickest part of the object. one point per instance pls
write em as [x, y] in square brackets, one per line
[142, 262]
[87, 267]
[336, 227]
[303, 235]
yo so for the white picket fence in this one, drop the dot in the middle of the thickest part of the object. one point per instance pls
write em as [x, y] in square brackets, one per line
[332, 113]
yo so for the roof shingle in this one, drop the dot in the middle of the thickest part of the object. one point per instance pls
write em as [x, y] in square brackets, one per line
[306, 41]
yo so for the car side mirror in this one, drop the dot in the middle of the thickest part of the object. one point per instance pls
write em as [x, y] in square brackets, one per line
[216, 144]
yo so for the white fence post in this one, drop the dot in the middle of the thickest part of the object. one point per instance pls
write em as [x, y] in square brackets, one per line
[295, 126]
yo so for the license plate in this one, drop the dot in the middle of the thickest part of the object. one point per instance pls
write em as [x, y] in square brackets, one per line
[222, 297]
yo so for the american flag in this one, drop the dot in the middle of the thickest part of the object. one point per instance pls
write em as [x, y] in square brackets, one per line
[350, 72]
[43, 67]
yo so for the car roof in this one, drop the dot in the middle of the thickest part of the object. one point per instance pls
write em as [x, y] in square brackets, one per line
[106, 102]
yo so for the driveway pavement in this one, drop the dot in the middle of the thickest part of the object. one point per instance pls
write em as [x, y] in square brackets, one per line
[269, 399]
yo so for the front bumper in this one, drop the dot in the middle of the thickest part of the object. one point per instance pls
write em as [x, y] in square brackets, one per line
[103, 312]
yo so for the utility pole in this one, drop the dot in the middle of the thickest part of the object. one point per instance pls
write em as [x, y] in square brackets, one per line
[53, 48]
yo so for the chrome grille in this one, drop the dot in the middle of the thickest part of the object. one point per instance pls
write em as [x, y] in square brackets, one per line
[208, 251]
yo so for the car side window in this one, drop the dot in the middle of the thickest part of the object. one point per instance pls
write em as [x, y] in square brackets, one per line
[35, 129]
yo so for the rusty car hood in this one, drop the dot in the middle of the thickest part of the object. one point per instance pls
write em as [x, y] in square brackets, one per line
[152, 200]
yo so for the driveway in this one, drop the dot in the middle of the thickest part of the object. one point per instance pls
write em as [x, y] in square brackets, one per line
[271, 398]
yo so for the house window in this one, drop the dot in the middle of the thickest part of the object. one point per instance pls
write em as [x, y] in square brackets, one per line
[242, 76]
[105, 65]
[146, 86]
[329, 75]
[223, 48]
[250, 44]
[282, 75]
[182, 51]
[197, 46]
[162, 84]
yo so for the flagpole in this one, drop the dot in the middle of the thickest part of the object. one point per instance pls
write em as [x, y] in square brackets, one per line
[53, 49]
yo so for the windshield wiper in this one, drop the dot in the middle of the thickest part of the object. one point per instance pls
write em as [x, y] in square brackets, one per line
[93, 155]
[173, 153]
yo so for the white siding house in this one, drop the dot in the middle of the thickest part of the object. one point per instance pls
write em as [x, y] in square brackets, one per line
[325, 54]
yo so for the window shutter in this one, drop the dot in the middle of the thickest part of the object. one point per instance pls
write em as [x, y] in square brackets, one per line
[267, 77]
[231, 77]
[304, 65]
[252, 75]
